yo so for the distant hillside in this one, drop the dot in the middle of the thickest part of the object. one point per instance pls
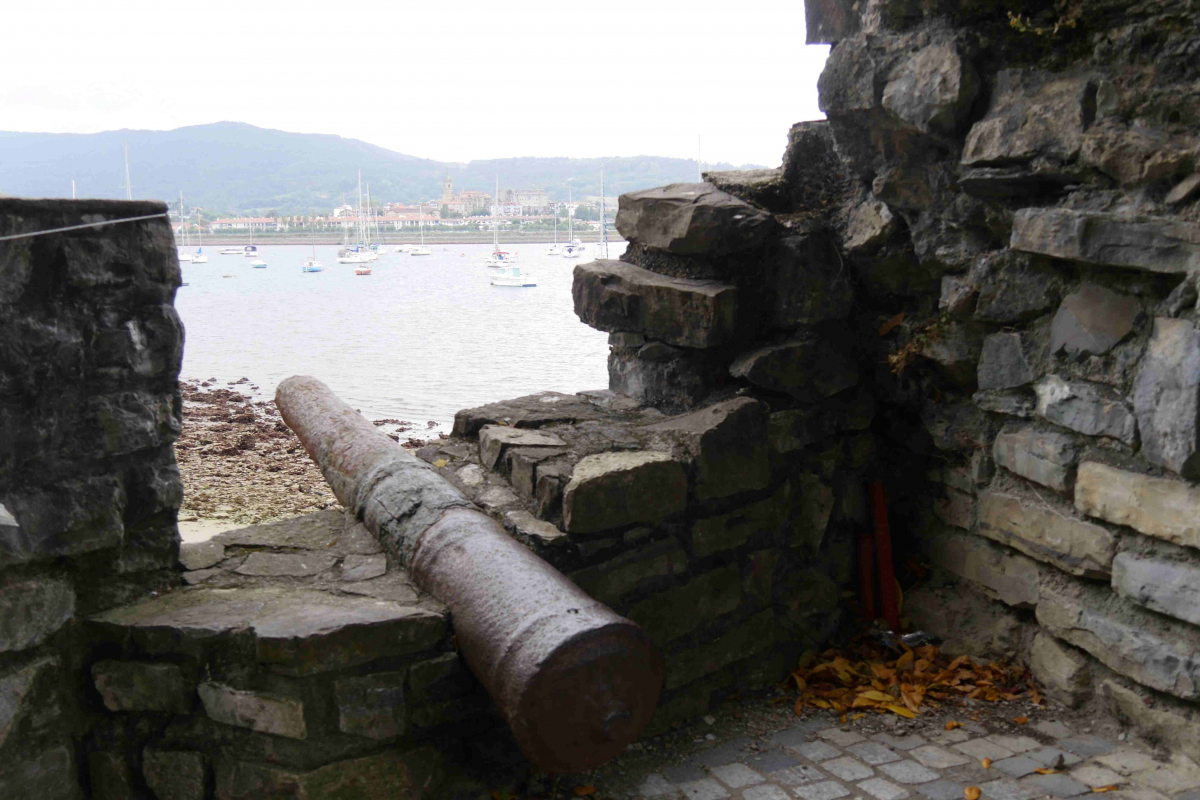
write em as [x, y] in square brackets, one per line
[231, 167]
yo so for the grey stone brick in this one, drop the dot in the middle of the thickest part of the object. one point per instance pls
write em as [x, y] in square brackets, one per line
[873, 752]
[908, 772]
[737, 776]
[941, 790]
[1057, 785]
[884, 790]
[829, 790]
[847, 768]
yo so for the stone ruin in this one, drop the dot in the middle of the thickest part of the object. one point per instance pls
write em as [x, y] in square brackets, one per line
[975, 283]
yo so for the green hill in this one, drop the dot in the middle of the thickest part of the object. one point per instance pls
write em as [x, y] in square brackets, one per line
[234, 168]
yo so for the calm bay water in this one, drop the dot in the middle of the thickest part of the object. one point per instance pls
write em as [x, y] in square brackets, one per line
[419, 339]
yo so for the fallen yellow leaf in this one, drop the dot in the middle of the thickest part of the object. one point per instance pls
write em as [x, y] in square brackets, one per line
[891, 323]
[441, 462]
[986, 763]
[951, 725]
[878, 696]
[1046, 771]
[901, 710]
[1021, 720]
[972, 792]
[856, 717]
[904, 659]
[584, 791]
[1112, 787]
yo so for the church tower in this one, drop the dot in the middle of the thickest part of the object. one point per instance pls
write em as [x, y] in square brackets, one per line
[447, 189]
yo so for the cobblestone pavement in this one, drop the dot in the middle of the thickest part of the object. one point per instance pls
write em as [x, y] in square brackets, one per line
[812, 761]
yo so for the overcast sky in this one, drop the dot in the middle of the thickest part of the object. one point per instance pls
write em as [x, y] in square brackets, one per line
[452, 80]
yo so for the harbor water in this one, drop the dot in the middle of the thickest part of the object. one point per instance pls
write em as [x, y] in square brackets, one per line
[418, 339]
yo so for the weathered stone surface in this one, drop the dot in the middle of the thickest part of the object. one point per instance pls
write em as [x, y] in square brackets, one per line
[1007, 361]
[1063, 672]
[1155, 652]
[1032, 114]
[495, 439]
[531, 411]
[297, 630]
[29, 701]
[971, 622]
[827, 21]
[265, 713]
[415, 774]
[280, 564]
[1135, 153]
[1045, 457]
[608, 490]
[372, 706]
[1158, 507]
[328, 532]
[1013, 287]
[871, 224]
[1088, 408]
[110, 776]
[807, 368]
[608, 582]
[932, 90]
[613, 295]
[1004, 576]
[141, 686]
[72, 517]
[626, 339]
[1153, 244]
[691, 219]
[362, 568]
[726, 443]
[750, 637]
[201, 555]
[956, 508]
[1091, 320]
[1169, 587]
[395, 587]
[1047, 534]
[961, 426]
[671, 385]
[956, 351]
[532, 530]
[1015, 403]
[32, 610]
[440, 678]
[677, 612]
[1166, 397]
[1172, 728]
[175, 774]
[764, 187]
[1183, 190]
[807, 281]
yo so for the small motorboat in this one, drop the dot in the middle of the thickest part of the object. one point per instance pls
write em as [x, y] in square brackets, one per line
[362, 270]
[420, 251]
[250, 251]
[230, 251]
[573, 250]
[512, 276]
[258, 263]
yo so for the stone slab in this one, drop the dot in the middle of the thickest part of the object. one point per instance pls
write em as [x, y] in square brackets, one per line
[1045, 457]
[807, 368]
[201, 555]
[1160, 507]
[691, 219]
[257, 711]
[1088, 408]
[609, 490]
[1153, 244]
[372, 706]
[414, 775]
[1168, 587]
[329, 532]
[495, 439]
[294, 565]
[140, 686]
[1065, 673]
[1043, 532]
[361, 568]
[32, 610]
[175, 774]
[1005, 576]
[1092, 320]
[1166, 397]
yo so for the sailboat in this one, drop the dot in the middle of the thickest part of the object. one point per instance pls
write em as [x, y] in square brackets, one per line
[499, 259]
[252, 251]
[311, 264]
[573, 248]
[422, 250]
[357, 253]
[602, 245]
[555, 249]
[183, 254]
[198, 257]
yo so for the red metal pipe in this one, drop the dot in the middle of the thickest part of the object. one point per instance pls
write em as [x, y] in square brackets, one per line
[883, 554]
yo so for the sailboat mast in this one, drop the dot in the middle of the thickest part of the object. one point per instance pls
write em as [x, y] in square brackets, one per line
[72, 190]
[496, 217]
[603, 249]
[128, 188]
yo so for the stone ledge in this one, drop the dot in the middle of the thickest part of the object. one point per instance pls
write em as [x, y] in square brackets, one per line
[1153, 244]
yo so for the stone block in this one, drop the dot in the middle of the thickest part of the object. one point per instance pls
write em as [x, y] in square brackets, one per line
[72, 517]
[1154, 651]
[1092, 320]
[615, 296]
[955, 508]
[201, 555]
[530, 411]
[372, 706]
[1032, 114]
[1174, 727]
[494, 440]
[695, 219]
[626, 339]
[109, 775]
[257, 711]
[1166, 397]
[956, 351]
[1020, 403]
[608, 582]
[959, 426]
[141, 686]
[295, 565]
[752, 636]
[807, 283]
[1013, 287]
[1168, 587]
[439, 678]
[295, 630]
[1008, 360]
[126, 422]
[1160, 507]
[531, 530]
[522, 466]
[1046, 533]
[608, 490]
[677, 612]
[30, 611]
[1088, 408]
[807, 368]
[828, 21]
[727, 531]
[362, 568]
[1007, 577]
[796, 428]
[1063, 672]
[414, 775]
[29, 701]
[726, 443]
[1152, 244]
[1044, 457]
[1183, 190]
[175, 774]
[932, 90]
[680, 383]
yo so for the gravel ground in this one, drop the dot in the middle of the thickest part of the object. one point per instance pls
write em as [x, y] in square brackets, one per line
[241, 465]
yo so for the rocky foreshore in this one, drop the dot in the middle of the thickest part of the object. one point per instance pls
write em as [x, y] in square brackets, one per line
[241, 465]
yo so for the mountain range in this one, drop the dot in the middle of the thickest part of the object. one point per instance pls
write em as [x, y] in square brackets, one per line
[235, 168]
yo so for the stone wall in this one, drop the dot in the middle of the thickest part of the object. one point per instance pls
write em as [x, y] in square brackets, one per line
[90, 348]
[1022, 219]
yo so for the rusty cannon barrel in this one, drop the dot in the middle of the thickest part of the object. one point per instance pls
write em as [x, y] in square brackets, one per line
[576, 681]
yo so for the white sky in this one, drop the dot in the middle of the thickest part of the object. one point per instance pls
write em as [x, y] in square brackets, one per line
[452, 80]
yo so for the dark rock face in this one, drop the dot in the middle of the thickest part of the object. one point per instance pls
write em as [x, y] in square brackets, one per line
[1032, 115]
[808, 281]
[691, 219]
[827, 21]
[1154, 245]
[1091, 320]
[806, 368]
[1166, 397]
[932, 90]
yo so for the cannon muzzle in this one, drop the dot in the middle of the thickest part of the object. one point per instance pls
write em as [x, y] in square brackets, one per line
[576, 681]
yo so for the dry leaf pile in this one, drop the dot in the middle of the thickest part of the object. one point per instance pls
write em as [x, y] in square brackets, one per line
[921, 679]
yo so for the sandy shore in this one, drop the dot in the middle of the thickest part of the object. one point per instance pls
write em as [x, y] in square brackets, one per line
[241, 465]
